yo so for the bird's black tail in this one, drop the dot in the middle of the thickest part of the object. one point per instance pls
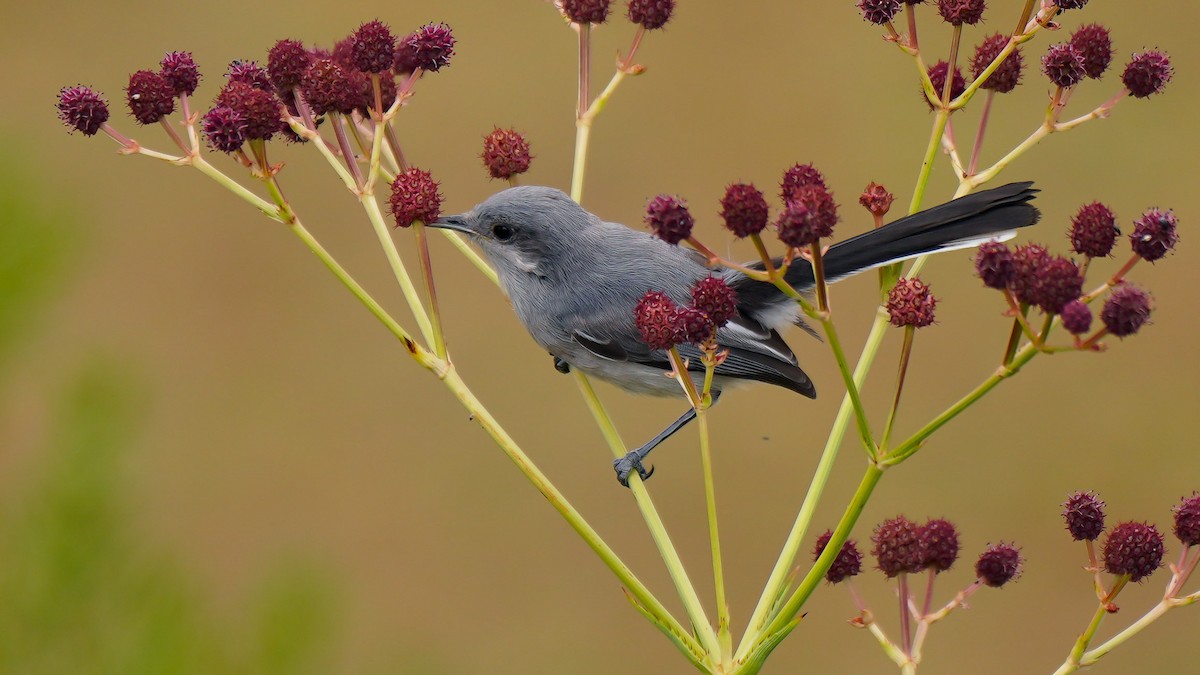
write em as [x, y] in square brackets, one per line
[962, 223]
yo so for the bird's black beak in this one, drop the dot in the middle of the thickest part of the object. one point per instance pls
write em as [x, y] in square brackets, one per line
[456, 223]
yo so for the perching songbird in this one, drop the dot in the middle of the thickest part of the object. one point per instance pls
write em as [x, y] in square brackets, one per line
[575, 280]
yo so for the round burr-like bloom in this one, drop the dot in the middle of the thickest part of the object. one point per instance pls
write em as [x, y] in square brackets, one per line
[415, 197]
[1076, 317]
[848, 562]
[151, 97]
[1126, 310]
[937, 76]
[372, 47]
[505, 153]
[224, 128]
[1094, 230]
[876, 199]
[896, 547]
[1147, 73]
[261, 110]
[1071, 4]
[959, 12]
[691, 326]
[586, 11]
[650, 14]
[1007, 75]
[994, 264]
[879, 12]
[1058, 282]
[1154, 234]
[744, 209]
[669, 219]
[998, 565]
[911, 303]
[1027, 259]
[1187, 520]
[430, 48]
[796, 177]
[810, 215]
[1135, 549]
[1084, 514]
[181, 71]
[1095, 46]
[249, 72]
[329, 87]
[81, 108]
[652, 315]
[286, 63]
[939, 544]
[715, 298]
[1063, 64]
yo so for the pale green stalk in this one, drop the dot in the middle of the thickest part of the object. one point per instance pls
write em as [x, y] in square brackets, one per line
[371, 207]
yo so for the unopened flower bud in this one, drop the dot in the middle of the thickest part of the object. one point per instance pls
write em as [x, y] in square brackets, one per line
[876, 199]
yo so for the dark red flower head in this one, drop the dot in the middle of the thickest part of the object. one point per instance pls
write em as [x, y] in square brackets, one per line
[1084, 513]
[809, 216]
[1135, 549]
[286, 63]
[429, 48]
[1071, 4]
[1154, 234]
[415, 197]
[691, 326]
[994, 264]
[1059, 281]
[1094, 230]
[224, 128]
[876, 199]
[586, 11]
[82, 108]
[653, 319]
[373, 47]
[715, 298]
[798, 176]
[911, 303]
[879, 12]
[896, 547]
[329, 87]
[958, 12]
[180, 70]
[1147, 73]
[937, 76]
[1007, 75]
[249, 72]
[744, 209]
[998, 565]
[1027, 259]
[650, 14]
[1063, 64]
[505, 153]
[1076, 317]
[151, 97]
[1126, 310]
[669, 219]
[1095, 46]
[848, 562]
[1187, 520]
[261, 110]
[938, 539]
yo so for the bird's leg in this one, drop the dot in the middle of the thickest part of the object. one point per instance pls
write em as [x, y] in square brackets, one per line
[633, 461]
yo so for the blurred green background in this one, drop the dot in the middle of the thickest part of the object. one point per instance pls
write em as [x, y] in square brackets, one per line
[213, 460]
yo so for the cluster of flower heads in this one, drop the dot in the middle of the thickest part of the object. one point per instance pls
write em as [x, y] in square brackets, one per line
[901, 546]
[1088, 53]
[648, 14]
[1131, 548]
[256, 100]
[809, 211]
[1054, 284]
[663, 323]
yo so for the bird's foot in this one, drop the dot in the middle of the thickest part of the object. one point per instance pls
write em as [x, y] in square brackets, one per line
[628, 464]
[561, 366]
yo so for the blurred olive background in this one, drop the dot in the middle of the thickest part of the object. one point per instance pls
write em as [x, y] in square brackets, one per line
[213, 460]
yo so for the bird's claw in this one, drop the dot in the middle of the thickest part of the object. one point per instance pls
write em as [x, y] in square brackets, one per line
[561, 366]
[628, 464]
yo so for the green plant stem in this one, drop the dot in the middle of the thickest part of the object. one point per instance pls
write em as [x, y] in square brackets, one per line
[935, 140]
[268, 209]
[905, 352]
[371, 207]
[710, 497]
[654, 524]
[435, 314]
[583, 130]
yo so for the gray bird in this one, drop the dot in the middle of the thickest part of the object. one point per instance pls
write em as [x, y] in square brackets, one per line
[575, 279]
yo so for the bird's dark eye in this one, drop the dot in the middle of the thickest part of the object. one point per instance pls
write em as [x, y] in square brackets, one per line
[502, 232]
